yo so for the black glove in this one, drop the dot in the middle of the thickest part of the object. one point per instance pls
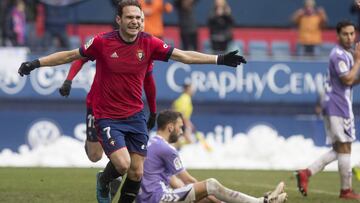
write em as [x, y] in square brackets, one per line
[28, 66]
[230, 59]
[65, 88]
[151, 121]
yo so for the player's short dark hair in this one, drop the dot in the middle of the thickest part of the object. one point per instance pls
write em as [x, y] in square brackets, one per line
[167, 116]
[125, 3]
[344, 23]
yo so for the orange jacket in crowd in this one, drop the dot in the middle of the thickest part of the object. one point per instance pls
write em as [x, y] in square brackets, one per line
[153, 12]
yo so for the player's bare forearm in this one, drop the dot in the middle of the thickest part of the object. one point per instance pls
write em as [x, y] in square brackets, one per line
[185, 177]
[176, 182]
[352, 76]
[59, 58]
[193, 57]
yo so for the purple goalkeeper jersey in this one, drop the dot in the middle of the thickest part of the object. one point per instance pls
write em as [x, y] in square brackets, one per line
[338, 98]
[161, 163]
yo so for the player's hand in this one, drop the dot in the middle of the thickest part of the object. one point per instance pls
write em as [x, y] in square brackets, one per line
[28, 66]
[357, 2]
[230, 59]
[357, 52]
[65, 88]
[151, 121]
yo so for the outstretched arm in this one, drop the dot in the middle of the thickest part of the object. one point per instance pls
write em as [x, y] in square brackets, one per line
[194, 57]
[59, 58]
[55, 59]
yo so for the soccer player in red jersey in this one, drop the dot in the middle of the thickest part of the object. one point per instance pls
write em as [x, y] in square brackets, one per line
[122, 58]
[93, 147]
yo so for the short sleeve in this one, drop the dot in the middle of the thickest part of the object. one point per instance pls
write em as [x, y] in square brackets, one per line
[160, 50]
[341, 67]
[173, 162]
[91, 48]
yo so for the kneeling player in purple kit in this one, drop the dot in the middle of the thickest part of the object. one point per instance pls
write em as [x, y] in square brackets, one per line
[166, 180]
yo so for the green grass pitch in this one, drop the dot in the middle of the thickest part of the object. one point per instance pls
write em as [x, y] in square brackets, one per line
[43, 185]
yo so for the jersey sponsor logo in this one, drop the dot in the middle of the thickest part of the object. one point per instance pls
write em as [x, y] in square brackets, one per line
[177, 163]
[89, 43]
[140, 55]
[343, 67]
[114, 55]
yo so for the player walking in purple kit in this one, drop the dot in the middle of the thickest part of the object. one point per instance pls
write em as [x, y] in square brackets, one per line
[166, 180]
[343, 74]
[122, 57]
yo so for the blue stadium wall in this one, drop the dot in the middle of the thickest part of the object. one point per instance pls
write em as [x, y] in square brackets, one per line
[280, 94]
[247, 13]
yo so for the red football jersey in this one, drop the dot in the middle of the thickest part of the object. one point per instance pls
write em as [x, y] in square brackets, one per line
[121, 67]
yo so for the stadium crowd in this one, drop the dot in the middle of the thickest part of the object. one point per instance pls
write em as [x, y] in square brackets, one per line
[44, 25]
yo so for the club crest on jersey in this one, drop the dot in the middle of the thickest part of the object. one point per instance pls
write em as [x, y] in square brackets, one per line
[140, 55]
[112, 142]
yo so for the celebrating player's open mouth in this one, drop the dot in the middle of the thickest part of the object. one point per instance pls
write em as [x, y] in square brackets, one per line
[134, 30]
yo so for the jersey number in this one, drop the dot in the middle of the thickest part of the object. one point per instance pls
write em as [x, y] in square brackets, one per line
[91, 120]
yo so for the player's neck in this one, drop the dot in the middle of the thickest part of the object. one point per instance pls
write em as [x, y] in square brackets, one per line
[163, 135]
[345, 48]
[127, 38]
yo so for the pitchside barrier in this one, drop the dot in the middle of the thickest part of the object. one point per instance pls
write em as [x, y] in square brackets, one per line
[227, 102]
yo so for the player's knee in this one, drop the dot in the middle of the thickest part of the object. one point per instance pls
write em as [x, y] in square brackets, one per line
[138, 174]
[212, 186]
[135, 174]
[122, 166]
[122, 169]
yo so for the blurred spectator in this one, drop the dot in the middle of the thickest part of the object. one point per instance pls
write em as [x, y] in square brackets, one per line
[310, 21]
[355, 9]
[220, 24]
[183, 104]
[187, 23]
[56, 20]
[4, 10]
[114, 4]
[30, 31]
[153, 11]
[14, 28]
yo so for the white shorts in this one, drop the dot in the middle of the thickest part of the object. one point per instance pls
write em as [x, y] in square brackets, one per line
[184, 194]
[339, 129]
